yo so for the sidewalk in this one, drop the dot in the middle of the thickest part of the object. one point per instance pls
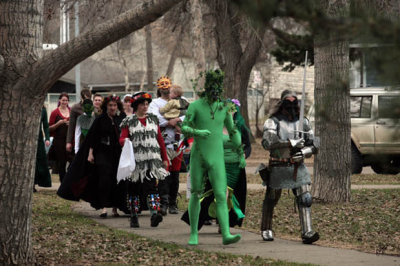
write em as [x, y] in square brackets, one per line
[173, 230]
[182, 187]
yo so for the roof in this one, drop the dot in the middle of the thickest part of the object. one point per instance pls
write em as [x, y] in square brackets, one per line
[99, 72]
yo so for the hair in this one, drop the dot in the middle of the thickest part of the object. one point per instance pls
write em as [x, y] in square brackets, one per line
[111, 98]
[177, 89]
[239, 120]
[97, 95]
[63, 94]
[86, 94]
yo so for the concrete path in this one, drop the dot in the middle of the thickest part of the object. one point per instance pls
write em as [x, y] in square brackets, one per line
[173, 230]
[182, 187]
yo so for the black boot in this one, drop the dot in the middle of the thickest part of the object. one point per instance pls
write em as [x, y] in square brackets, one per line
[173, 209]
[155, 219]
[134, 221]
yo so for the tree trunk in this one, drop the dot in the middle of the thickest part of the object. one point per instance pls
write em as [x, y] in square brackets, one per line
[332, 167]
[233, 60]
[25, 77]
[197, 37]
[174, 55]
[149, 56]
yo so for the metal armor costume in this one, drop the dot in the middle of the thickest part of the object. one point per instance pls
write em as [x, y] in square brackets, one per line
[288, 147]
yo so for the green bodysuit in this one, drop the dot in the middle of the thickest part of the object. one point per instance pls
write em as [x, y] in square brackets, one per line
[204, 121]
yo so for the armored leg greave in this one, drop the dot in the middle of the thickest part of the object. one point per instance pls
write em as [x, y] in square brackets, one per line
[304, 202]
[272, 197]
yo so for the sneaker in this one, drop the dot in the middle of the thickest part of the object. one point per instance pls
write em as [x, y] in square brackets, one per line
[163, 209]
[207, 222]
[155, 219]
[134, 221]
[173, 209]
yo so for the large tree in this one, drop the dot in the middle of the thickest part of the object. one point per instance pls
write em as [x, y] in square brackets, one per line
[332, 167]
[26, 73]
[238, 42]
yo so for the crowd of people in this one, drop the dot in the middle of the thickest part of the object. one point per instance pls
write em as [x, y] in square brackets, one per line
[92, 134]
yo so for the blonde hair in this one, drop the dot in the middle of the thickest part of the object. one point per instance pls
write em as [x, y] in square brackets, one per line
[177, 89]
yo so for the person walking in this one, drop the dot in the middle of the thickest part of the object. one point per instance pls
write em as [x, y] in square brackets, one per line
[288, 147]
[58, 125]
[170, 186]
[151, 159]
[76, 110]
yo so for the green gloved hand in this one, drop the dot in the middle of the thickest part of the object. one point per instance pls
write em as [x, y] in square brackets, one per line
[202, 132]
[242, 163]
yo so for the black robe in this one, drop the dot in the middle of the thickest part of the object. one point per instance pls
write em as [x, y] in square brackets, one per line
[96, 183]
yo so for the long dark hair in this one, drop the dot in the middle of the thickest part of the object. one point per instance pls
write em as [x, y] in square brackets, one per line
[111, 98]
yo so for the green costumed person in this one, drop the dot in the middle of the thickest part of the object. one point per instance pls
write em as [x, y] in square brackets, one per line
[205, 120]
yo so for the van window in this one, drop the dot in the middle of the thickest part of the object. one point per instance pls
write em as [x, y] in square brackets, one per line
[389, 107]
[360, 106]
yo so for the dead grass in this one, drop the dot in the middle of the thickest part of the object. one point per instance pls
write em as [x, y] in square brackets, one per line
[62, 237]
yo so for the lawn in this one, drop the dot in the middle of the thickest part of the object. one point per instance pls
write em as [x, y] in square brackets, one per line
[369, 223]
[63, 237]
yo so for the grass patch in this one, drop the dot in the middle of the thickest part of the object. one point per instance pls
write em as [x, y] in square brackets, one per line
[370, 222]
[63, 237]
[362, 179]
[369, 179]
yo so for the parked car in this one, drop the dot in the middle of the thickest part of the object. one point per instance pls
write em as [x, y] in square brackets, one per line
[375, 129]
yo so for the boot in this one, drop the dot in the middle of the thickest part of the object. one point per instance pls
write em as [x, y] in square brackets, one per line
[134, 221]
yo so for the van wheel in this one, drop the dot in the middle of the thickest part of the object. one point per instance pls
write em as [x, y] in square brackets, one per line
[385, 168]
[356, 160]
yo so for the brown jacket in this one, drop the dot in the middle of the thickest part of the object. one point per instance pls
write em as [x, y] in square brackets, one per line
[76, 111]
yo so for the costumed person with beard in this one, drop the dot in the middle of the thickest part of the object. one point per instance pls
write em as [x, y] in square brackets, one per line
[288, 147]
[150, 157]
[93, 173]
[83, 123]
[235, 173]
[169, 187]
[205, 119]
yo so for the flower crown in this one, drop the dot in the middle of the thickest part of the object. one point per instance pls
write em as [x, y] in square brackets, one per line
[144, 95]
[232, 103]
[111, 98]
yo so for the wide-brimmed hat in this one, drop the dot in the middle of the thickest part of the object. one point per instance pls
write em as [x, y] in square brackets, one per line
[140, 97]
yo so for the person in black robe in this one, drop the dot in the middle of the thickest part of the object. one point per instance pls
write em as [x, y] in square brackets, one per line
[92, 175]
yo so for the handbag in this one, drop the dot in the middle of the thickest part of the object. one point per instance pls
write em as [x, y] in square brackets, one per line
[127, 162]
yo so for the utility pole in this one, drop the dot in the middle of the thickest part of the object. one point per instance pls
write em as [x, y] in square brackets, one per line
[78, 66]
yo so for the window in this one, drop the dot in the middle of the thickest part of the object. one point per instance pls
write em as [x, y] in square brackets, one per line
[360, 106]
[389, 107]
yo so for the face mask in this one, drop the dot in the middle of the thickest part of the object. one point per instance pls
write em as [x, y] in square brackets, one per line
[88, 109]
[291, 107]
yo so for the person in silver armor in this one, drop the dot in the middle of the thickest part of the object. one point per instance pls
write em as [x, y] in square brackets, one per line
[288, 147]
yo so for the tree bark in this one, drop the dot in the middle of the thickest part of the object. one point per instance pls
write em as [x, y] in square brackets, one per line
[149, 56]
[332, 167]
[197, 37]
[236, 62]
[25, 77]
[174, 55]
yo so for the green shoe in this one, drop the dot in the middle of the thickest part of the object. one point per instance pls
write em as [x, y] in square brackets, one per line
[231, 239]
[193, 240]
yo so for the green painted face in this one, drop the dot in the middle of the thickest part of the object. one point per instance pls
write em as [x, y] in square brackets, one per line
[88, 109]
